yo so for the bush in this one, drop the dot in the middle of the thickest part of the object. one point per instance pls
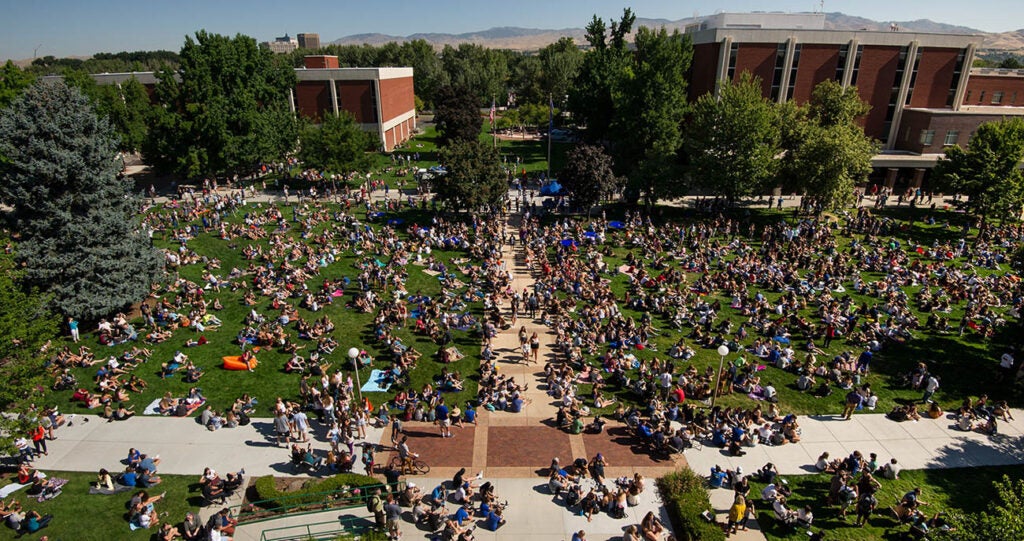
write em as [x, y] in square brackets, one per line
[686, 498]
[341, 489]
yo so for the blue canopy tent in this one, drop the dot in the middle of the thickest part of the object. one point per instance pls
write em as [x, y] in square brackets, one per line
[551, 187]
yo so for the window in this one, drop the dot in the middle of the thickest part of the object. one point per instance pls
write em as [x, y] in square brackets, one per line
[955, 83]
[927, 136]
[856, 65]
[780, 63]
[967, 98]
[981, 98]
[951, 137]
[734, 51]
[844, 53]
[913, 77]
[997, 98]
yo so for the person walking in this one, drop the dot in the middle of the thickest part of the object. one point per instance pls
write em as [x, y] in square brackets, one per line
[535, 348]
[930, 387]
[853, 401]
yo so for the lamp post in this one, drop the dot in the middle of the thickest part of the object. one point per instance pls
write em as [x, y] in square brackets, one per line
[353, 354]
[723, 350]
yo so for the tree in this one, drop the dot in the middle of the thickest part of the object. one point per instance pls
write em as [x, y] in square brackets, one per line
[591, 98]
[650, 104]
[588, 175]
[827, 152]
[733, 141]
[224, 111]
[13, 81]
[338, 145]
[457, 115]
[560, 63]
[80, 239]
[988, 170]
[475, 178]
[26, 324]
[1002, 521]
[479, 70]
[125, 105]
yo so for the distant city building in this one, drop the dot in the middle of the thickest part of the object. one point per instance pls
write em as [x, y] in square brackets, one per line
[282, 45]
[309, 41]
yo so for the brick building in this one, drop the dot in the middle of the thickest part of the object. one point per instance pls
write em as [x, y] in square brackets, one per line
[920, 86]
[381, 99]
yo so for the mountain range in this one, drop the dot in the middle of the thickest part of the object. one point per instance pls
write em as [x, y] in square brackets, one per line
[526, 39]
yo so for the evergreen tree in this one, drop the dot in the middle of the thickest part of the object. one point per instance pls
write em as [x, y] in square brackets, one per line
[80, 239]
[588, 175]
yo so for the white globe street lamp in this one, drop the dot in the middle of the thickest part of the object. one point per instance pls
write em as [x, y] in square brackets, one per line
[353, 354]
[723, 350]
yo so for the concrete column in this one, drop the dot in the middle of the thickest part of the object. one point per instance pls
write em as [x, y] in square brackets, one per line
[851, 60]
[890, 177]
[723, 64]
[965, 74]
[918, 178]
[380, 114]
[334, 96]
[901, 97]
[787, 66]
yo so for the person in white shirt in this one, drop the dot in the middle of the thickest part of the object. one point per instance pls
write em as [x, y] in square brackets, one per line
[891, 470]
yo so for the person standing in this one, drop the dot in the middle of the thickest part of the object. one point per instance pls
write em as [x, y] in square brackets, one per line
[392, 513]
[853, 401]
[535, 348]
[73, 327]
[930, 387]
[39, 439]
[441, 413]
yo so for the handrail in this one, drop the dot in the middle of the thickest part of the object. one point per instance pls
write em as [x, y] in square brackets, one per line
[306, 530]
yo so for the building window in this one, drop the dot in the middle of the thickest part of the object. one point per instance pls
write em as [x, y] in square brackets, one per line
[997, 98]
[856, 65]
[981, 98]
[734, 52]
[844, 53]
[913, 77]
[951, 137]
[780, 63]
[967, 98]
[955, 83]
[792, 72]
[927, 136]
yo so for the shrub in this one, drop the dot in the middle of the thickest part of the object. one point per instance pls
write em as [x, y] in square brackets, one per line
[686, 498]
[342, 489]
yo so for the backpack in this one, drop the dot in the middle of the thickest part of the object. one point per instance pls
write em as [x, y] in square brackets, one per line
[243, 419]
[373, 503]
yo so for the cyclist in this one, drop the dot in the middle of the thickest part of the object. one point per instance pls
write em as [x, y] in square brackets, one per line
[405, 455]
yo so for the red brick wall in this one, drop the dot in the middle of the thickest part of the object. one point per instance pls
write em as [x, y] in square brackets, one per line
[703, 70]
[396, 97]
[357, 98]
[914, 121]
[934, 77]
[991, 84]
[875, 82]
[817, 63]
[320, 62]
[313, 99]
[759, 60]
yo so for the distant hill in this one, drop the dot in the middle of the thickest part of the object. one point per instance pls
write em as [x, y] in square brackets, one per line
[526, 39]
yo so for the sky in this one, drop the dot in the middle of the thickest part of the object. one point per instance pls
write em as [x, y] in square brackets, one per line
[30, 28]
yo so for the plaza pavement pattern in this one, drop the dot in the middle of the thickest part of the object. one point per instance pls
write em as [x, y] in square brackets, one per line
[514, 450]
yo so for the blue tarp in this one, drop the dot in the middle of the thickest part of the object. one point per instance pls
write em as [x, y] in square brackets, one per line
[616, 225]
[551, 188]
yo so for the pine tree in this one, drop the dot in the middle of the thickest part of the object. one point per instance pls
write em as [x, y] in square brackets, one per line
[80, 237]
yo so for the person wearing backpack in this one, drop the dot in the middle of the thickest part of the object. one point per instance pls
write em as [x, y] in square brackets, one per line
[375, 505]
[865, 506]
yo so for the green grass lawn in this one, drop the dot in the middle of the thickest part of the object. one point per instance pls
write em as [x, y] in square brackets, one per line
[950, 491]
[94, 517]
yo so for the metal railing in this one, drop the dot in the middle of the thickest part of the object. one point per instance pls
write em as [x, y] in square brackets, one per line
[318, 531]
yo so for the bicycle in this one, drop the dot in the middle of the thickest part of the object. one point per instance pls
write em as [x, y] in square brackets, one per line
[413, 466]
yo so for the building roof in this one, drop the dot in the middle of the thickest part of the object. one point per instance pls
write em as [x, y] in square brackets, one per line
[988, 110]
[835, 37]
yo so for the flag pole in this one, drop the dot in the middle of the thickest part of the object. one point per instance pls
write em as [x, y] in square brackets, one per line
[551, 121]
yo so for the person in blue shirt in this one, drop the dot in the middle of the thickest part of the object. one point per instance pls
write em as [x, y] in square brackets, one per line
[462, 515]
[34, 522]
[470, 415]
[718, 477]
[493, 520]
[441, 414]
[128, 478]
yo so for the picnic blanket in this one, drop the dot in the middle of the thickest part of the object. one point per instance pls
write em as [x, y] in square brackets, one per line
[376, 383]
[151, 409]
[117, 488]
[11, 489]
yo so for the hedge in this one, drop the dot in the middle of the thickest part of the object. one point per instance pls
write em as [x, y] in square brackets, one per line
[685, 497]
[350, 487]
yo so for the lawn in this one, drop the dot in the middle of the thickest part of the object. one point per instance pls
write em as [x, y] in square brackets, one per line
[950, 491]
[92, 517]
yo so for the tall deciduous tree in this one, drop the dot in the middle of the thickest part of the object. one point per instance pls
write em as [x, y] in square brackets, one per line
[1002, 521]
[81, 240]
[475, 177]
[224, 111]
[13, 81]
[480, 70]
[26, 324]
[592, 95]
[827, 152]
[457, 115]
[588, 175]
[560, 63]
[733, 141]
[337, 145]
[649, 108]
[988, 171]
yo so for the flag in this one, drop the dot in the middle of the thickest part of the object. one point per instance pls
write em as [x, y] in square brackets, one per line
[551, 115]
[493, 110]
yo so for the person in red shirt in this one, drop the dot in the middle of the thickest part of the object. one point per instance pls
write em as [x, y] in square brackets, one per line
[39, 439]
